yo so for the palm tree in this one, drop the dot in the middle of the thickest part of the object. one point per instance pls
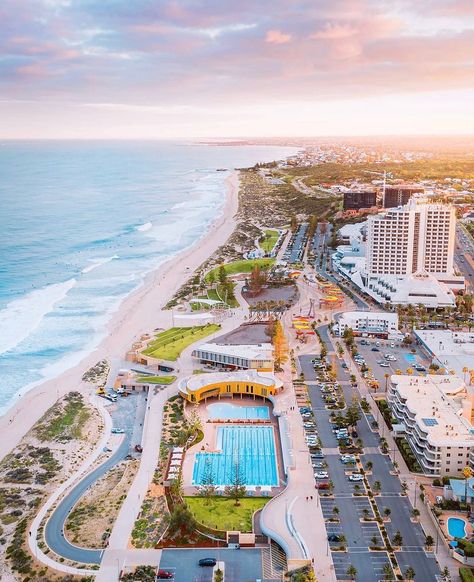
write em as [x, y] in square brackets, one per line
[377, 486]
[387, 571]
[397, 539]
[387, 511]
[415, 513]
[365, 512]
[351, 572]
[335, 511]
[409, 573]
[369, 465]
[374, 540]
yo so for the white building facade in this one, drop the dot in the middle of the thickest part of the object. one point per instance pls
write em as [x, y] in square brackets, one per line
[430, 408]
[418, 238]
[369, 323]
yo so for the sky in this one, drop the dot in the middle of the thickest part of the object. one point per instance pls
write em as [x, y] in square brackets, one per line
[160, 69]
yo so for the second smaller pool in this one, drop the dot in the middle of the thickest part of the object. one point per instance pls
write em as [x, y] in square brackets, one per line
[410, 358]
[227, 411]
[456, 527]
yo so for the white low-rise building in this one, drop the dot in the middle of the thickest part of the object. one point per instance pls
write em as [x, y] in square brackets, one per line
[248, 356]
[436, 413]
[452, 350]
[369, 323]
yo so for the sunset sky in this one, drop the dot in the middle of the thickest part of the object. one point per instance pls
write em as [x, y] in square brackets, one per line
[188, 68]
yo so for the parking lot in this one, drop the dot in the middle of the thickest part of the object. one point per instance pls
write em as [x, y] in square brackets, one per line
[352, 504]
[243, 565]
[404, 358]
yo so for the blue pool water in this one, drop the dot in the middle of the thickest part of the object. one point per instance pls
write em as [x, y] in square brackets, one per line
[410, 358]
[224, 411]
[456, 527]
[253, 447]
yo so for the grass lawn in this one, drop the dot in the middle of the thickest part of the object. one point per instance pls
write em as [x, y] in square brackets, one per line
[169, 344]
[157, 379]
[271, 237]
[241, 267]
[222, 513]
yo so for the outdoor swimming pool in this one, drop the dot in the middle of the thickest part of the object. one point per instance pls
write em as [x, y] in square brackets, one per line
[225, 410]
[251, 448]
[410, 358]
[456, 527]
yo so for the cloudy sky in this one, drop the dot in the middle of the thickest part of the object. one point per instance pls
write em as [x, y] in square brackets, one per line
[188, 68]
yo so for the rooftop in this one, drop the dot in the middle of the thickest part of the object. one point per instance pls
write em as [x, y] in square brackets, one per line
[454, 350]
[435, 401]
[246, 351]
[198, 381]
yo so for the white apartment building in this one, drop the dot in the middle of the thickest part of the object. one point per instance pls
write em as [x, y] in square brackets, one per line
[416, 238]
[369, 323]
[435, 415]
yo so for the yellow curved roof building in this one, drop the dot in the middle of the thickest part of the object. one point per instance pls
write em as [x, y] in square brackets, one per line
[229, 384]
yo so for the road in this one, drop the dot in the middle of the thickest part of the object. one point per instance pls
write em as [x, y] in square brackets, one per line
[351, 508]
[126, 416]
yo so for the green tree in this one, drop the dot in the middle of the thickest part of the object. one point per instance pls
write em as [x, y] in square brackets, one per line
[429, 541]
[222, 275]
[377, 486]
[387, 571]
[293, 223]
[397, 539]
[387, 511]
[208, 485]
[353, 414]
[351, 572]
[409, 573]
[237, 489]
[211, 278]
[181, 519]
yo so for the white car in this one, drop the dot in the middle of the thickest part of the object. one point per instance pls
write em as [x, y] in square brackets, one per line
[384, 365]
[321, 475]
[356, 478]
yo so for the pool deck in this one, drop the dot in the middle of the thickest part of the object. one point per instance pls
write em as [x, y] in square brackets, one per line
[208, 444]
[453, 514]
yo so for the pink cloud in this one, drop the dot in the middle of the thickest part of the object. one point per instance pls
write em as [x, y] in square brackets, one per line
[277, 37]
[334, 32]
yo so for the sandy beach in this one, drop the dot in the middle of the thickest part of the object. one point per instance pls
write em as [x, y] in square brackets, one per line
[140, 312]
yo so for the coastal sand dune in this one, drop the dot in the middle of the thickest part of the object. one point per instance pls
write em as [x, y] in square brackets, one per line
[139, 313]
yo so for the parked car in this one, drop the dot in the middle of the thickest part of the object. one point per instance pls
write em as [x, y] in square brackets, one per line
[384, 365]
[355, 478]
[374, 349]
[117, 431]
[322, 485]
[211, 562]
[164, 575]
[321, 475]
[334, 538]
[318, 465]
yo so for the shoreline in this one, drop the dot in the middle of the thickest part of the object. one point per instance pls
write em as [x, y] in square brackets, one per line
[140, 312]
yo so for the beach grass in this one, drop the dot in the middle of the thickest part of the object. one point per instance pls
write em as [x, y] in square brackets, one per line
[169, 344]
[65, 420]
[156, 379]
[222, 513]
[242, 266]
[271, 237]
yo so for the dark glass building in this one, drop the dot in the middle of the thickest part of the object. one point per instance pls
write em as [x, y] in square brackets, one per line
[399, 195]
[358, 200]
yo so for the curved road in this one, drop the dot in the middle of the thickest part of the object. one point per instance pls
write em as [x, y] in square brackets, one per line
[53, 531]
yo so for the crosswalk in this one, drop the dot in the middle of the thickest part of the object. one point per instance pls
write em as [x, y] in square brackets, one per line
[273, 561]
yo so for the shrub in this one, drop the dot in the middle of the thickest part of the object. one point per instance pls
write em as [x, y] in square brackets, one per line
[467, 575]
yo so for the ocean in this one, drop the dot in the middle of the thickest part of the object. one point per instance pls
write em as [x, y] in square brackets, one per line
[82, 223]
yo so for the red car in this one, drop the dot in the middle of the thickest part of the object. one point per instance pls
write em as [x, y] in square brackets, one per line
[164, 575]
[322, 485]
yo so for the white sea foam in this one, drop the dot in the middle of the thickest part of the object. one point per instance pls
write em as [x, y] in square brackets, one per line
[97, 263]
[22, 316]
[144, 227]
